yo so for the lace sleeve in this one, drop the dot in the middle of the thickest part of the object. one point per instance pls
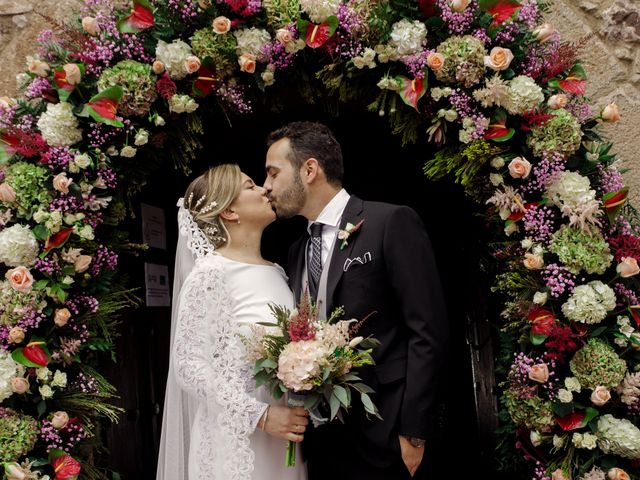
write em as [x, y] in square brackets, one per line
[209, 362]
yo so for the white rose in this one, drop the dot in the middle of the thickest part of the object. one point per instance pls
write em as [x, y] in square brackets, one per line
[496, 179]
[565, 396]
[497, 163]
[540, 298]
[142, 137]
[128, 151]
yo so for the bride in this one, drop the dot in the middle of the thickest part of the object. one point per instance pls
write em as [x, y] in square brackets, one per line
[216, 424]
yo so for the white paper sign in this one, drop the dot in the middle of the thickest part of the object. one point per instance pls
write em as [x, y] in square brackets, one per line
[154, 232]
[157, 283]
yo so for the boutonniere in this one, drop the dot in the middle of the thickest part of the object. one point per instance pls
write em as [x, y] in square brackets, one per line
[349, 230]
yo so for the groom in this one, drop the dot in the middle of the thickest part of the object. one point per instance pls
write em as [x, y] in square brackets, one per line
[384, 266]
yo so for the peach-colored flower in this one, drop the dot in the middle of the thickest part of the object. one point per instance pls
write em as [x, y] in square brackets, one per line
[618, 474]
[60, 419]
[39, 67]
[533, 262]
[435, 61]
[284, 36]
[539, 373]
[459, 5]
[498, 59]
[544, 32]
[20, 279]
[81, 264]
[192, 64]
[7, 193]
[610, 113]
[19, 385]
[72, 73]
[90, 25]
[158, 67]
[600, 396]
[204, 4]
[519, 167]
[61, 316]
[61, 182]
[6, 102]
[16, 335]
[558, 101]
[558, 474]
[628, 267]
[247, 63]
[221, 25]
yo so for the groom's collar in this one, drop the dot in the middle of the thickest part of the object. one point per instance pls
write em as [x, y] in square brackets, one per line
[332, 212]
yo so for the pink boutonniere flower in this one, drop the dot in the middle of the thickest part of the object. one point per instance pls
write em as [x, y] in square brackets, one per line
[349, 230]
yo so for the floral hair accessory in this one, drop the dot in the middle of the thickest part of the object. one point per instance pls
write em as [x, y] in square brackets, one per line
[349, 230]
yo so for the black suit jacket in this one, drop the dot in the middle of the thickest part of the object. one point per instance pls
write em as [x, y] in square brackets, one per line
[401, 285]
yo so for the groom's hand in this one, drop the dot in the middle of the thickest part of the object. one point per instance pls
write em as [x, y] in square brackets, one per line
[411, 456]
[288, 423]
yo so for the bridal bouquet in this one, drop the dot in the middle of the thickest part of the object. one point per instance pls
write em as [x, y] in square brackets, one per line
[311, 361]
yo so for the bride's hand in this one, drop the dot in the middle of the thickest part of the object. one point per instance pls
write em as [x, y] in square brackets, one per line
[285, 422]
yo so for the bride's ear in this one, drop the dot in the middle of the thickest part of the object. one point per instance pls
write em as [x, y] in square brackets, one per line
[229, 215]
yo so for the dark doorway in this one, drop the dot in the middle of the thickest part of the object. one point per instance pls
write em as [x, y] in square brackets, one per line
[378, 168]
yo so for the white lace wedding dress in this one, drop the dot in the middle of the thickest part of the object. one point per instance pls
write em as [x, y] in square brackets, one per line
[211, 406]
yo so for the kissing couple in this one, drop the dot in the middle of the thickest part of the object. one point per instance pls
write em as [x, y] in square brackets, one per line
[217, 425]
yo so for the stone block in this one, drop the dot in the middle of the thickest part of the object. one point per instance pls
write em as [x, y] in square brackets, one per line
[622, 21]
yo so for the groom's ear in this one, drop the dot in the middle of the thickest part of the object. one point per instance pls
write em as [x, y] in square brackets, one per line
[310, 170]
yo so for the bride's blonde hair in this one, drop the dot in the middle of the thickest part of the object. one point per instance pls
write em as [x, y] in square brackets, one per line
[211, 194]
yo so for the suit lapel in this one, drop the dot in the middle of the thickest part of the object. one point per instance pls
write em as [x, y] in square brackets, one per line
[298, 267]
[353, 213]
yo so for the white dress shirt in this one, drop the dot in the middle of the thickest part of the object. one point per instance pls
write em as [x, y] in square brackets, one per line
[330, 219]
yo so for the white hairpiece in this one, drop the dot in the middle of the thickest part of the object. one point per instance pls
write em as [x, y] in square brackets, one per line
[197, 241]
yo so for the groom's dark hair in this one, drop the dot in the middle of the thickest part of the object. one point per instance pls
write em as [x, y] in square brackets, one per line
[312, 139]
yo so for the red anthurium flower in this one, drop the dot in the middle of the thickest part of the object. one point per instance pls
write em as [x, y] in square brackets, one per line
[104, 106]
[515, 216]
[36, 354]
[635, 313]
[318, 35]
[499, 132]
[576, 420]
[573, 85]
[205, 83]
[140, 18]
[500, 10]
[542, 321]
[58, 239]
[8, 143]
[60, 77]
[613, 202]
[412, 90]
[64, 465]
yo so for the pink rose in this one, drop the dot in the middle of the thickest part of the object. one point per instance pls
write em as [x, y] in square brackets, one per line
[16, 335]
[7, 193]
[61, 182]
[519, 167]
[20, 279]
[459, 6]
[221, 25]
[14, 471]
[247, 63]
[284, 36]
[533, 262]
[90, 25]
[498, 59]
[158, 67]
[60, 420]
[19, 385]
[628, 267]
[192, 64]
[558, 101]
[618, 474]
[610, 113]
[81, 264]
[39, 67]
[61, 316]
[600, 396]
[544, 32]
[539, 373]
[435, 61]
[72, 73]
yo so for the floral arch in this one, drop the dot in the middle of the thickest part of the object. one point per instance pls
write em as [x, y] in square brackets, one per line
[490, 85]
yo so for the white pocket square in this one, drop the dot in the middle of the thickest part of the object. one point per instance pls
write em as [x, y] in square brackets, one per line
[366, 258]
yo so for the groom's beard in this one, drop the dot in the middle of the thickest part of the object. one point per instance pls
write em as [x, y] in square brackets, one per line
[290, 202]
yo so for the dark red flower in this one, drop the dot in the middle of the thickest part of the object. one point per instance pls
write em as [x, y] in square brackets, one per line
[166, 87]
[625, 246]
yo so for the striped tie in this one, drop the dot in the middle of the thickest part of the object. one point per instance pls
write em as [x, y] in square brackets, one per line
[315, 264]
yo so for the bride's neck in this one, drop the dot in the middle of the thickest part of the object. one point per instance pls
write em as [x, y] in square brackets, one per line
[244, 244]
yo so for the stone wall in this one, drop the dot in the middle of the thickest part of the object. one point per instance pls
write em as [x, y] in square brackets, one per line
[612, 57]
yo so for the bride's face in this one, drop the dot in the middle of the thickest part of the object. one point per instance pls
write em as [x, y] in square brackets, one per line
[252, 204]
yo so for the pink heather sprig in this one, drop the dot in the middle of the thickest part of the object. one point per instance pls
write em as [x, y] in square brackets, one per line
[539, 223]
[457, 23]
[529, 15]
[559, 279]
[186, 9]
[103, 258]
[69, 347]
[539, 473]
[534, 63]
[234, 96]
[94, 219]
[544, 171]
[48, 266]
[37, 88]
[85, 384]
[67, 203]
[579, 109]
[275, 53]
[461, 102]
[417, 63]
[100, 134]
[610, 179]
[7, 116]
[508, 33]
[81, 302]
[519, 376]
[301, 329]
[480, 122]
[30, 321]
[57, 158]
[65, 438]
[482, 35]
[626, 296]
[108, 176]
[634, 408]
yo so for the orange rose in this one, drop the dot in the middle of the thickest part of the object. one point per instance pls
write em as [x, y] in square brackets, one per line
[90, 25]
[459, 6]
[499, 58]
[192, 64]
[204, 4]
[7, 193]
[20, 279]
[559, 475]
[558, 101]
[519, 167]
[539, 373]
[61, 316]
[628, 267]
[61, 182]
[435, 61]
[610, 113]
[158, 67]
[533, 262]
[221, 25]
[618, 474]
[247, 63]
[60, 420]
[72, 73]
[16, 335]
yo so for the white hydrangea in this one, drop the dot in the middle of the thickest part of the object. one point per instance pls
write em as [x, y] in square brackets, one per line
[408, 36]
[173, 55]
[584, 440]
[300, 363]
[570, 190]
[59, 126]
[8, 370]
[251, 40]
[18, 246]
[523, 95]
[182, 103]
[320, 10]
[590, 303]
[618, 436]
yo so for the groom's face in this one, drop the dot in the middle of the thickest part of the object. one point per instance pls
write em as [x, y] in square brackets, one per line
[284, 185]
